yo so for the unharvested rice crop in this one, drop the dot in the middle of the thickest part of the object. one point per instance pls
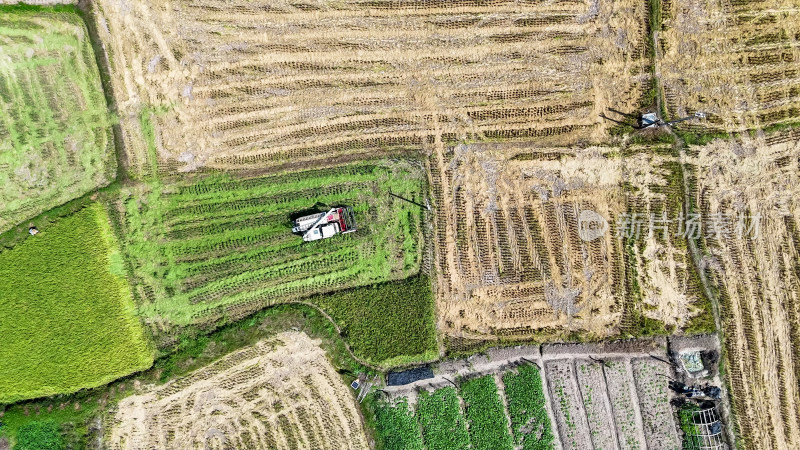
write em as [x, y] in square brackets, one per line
[757, 275]
[56, 142]
[67, 315]
[217, 248]
[252, 84]
[735, 60]
[510, 255]
[387, 324]
[280, 393]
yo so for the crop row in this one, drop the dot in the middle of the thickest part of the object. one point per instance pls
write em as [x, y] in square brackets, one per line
[752, 44]
[519, 241]
[612, 403]
[309, 408]
[757, 280]
[333, 93]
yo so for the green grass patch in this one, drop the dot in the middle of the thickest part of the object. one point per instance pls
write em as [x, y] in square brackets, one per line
[388, 324]
[39, 436]
[56, 140]
[778, 127]
[195, 351]
[690, 138]
[68, 318]
[485, 414]
[526, 408]
[443, 424]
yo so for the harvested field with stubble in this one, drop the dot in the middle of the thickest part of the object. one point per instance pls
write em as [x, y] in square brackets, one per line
[757, 277]
[513, 265]
[56, 142]
[255, 84]
[735, 60]
[280, 393]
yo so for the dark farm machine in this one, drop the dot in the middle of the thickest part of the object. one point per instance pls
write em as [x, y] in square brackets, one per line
[649, 120]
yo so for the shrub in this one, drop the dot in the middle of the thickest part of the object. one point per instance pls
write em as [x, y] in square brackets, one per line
[39, 436]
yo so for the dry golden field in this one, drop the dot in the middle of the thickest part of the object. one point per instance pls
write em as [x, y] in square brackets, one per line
[240, 85]
[510, 258]
[758, 278]
[254, 84]
[736, 60]
[279, 393]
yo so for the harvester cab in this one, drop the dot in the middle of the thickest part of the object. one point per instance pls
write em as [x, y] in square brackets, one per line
[340, 220]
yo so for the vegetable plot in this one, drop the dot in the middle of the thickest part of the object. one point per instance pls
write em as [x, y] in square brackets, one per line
[486, 418]
[526, 407]
[397, 427]
[443, 425]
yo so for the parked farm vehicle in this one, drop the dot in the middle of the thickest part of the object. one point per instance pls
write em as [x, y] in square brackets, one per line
[317, 226]
[650, 119]
[712, 392]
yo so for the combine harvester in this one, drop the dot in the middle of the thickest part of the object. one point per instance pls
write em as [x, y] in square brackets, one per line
[324, 225]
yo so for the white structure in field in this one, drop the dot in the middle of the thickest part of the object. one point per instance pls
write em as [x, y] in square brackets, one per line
[324, 225]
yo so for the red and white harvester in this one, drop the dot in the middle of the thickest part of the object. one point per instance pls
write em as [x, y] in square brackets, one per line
[317, 226]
